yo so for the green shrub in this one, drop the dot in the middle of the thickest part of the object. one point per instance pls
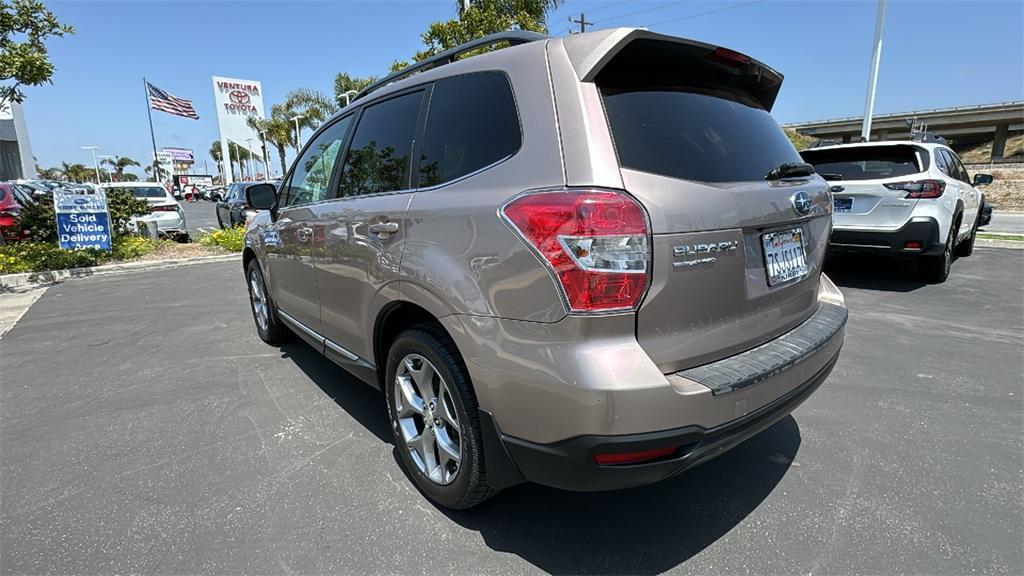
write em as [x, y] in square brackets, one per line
[232, 239]
[40, 256]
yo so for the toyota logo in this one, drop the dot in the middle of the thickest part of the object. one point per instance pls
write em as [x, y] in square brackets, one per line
[238, 97]
[802, 202]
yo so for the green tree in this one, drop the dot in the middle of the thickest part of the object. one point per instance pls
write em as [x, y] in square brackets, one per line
[75, 172]
[800, 142]
[25, 25]
[483, 17]
[48, 173]
[119, 164]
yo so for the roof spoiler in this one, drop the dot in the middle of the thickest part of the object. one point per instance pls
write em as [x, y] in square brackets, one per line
[593, 52]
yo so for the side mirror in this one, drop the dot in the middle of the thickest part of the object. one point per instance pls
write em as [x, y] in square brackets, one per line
[261, 196]
[980, 179]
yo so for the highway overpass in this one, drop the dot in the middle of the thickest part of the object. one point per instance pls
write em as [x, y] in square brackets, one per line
[963, 125]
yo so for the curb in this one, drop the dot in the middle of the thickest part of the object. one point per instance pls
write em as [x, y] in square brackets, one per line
[53, 276]
[990, 243]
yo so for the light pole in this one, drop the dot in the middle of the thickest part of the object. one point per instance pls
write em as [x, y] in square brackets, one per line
[93, 149]
[252, 161]
[297, 133]
[110, 174]
[346, 95]
[876, 57]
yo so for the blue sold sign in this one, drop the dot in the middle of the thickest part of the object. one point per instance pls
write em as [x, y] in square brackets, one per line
[82, 220]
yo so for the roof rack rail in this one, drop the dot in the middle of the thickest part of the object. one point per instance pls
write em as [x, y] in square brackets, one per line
[928, 137]
[513, 37]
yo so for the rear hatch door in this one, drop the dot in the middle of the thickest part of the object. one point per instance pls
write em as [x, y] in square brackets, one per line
[736, 255]
[858, 175]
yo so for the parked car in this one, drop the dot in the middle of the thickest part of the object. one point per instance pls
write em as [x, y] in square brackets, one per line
[165, 211]
[12, 199]
[908, 198]
[592, 303]
[234, 209]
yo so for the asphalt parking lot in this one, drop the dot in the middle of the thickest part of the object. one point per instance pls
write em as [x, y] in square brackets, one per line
[200, 216]
[145, 428]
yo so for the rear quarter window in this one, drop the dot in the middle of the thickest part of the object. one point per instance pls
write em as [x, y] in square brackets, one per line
[471, 123]
[692, 136]
[867, 162]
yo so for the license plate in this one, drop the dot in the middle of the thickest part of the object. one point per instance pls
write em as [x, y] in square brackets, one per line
[784, 257]
[842, 204]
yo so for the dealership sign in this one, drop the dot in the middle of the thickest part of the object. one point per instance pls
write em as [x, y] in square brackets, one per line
[236, 101]
[83, 220]
[179, 154]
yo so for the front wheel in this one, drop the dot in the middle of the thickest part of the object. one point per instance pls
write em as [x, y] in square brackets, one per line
[433, 416]
[268, 325]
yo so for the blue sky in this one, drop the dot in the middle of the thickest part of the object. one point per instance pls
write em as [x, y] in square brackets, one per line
[936, 54]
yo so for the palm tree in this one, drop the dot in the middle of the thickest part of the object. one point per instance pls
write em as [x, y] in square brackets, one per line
[76, 172]
[260, 125]
[119, 163]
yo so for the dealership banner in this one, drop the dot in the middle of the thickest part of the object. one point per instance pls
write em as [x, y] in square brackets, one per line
[236, 101]
[83, 220]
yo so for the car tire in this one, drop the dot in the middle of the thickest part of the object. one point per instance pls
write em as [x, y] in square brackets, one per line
[264, 314]
[966, 248]
[454, 484]
[936, 268]
[182, 238]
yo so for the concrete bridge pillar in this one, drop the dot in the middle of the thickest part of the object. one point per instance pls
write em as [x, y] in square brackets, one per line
[999, 142]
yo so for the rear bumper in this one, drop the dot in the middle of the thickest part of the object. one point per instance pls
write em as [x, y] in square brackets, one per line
[924, 231]
[166, 222]
[715, 407]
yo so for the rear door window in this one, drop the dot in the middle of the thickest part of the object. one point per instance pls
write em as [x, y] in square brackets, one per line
[378, 158]
[694, 136]
[471, 124]
[865, 162]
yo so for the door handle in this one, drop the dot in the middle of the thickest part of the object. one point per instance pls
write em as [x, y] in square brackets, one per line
[383, 228]
[304, 234]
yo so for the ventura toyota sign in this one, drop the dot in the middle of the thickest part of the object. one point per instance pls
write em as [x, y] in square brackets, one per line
[236, 101]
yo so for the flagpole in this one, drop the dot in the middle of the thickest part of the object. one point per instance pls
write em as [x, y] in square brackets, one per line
[152, 135]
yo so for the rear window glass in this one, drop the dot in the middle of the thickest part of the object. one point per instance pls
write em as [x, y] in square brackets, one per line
[693, 136]
[472, 123]
[866, 162]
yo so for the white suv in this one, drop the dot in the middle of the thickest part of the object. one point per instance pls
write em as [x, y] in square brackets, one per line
[902, 197]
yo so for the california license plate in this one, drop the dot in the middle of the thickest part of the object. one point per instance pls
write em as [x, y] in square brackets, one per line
[842, 204]
[784, 257]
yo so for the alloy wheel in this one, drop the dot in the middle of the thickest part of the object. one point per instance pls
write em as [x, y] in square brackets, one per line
[259, 300]
[427, 419]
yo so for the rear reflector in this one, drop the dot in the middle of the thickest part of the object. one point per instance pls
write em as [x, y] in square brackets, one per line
[612, 459]
[912, 246]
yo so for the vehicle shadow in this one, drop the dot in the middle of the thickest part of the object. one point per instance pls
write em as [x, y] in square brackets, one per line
[644, 530]
[871, 272]
[362, 402]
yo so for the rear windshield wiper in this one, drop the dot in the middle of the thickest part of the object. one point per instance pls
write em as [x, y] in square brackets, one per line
[828, 176]
[789, 170]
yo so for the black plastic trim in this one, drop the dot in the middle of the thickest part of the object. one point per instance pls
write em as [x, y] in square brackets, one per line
[769, 359]
[924, 230]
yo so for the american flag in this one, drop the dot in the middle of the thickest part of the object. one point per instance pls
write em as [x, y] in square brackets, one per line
[167, 102]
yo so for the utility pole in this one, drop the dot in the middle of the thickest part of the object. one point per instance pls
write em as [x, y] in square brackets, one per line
[876, 58]
[582, 22]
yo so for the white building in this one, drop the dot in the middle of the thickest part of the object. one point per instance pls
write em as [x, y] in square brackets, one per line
[15, 150]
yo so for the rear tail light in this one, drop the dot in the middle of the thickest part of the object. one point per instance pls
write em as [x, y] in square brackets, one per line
[919, 188]
[727, 57]
[596, 241]
[612, 459]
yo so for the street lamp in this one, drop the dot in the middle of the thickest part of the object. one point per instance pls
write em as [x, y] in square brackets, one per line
[297, 133]
[110, 174]
[346, 95]
[93, 149]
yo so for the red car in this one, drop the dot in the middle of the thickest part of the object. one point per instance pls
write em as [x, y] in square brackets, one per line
[12, 199]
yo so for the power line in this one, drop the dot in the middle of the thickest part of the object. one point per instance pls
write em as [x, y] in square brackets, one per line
[612, 5]
[582, 22]
[626, 15]
[705, 13]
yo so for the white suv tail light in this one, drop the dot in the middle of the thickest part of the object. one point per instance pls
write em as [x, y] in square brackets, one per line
[596, 241]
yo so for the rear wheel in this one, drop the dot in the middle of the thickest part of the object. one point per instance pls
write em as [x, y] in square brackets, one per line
[936, 268]
[433, 417]
[268, 325]
[966, 248]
